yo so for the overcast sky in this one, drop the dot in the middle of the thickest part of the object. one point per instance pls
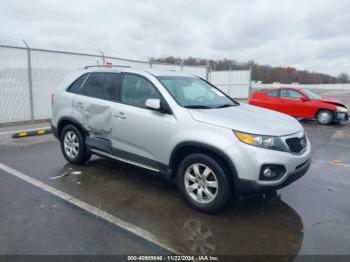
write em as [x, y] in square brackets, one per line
[312, 35]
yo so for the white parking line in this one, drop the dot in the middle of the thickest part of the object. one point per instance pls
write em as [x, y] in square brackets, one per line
[91, 209]
[28, 130]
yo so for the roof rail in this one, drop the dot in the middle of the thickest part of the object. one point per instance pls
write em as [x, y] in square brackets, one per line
[106, 66]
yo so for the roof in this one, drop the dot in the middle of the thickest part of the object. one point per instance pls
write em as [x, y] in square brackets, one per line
[284, 87]
[154, 72]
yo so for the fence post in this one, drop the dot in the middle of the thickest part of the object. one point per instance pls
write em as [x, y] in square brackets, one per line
[250, 82]
[150, 62]
[207, 71]
[181, 64]
[103, 57]
[30, 81]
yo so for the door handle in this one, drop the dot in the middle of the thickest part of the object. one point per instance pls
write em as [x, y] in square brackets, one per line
[79, 106]
[121, 115]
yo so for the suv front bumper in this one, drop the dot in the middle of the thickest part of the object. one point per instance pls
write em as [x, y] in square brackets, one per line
[248, 186]
[248, 160]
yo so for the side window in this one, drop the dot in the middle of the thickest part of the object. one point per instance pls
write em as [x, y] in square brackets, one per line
[76, 86]
[136, 89]
[273, 93]
[287, 93]
[103, 86]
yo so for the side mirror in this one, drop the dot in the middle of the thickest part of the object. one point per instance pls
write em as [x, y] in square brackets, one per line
[304, 99]
[153, 104]
[158, 105]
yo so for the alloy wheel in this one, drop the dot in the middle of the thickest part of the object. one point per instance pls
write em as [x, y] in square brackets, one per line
[201, 183]
[71, 144]
[324, 117]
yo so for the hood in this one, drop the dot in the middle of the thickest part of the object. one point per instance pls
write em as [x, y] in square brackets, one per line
[333, 101]
[249, 119]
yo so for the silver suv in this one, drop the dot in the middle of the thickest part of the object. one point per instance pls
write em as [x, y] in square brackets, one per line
[182, 127]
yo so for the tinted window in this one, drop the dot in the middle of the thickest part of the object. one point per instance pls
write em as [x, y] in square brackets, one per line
[102, 86]
[273, 93]
[290, 94]
[76, 86]
[136, 89]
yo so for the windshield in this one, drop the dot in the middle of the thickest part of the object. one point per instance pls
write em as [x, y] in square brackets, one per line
[310, 94]
[193, 92]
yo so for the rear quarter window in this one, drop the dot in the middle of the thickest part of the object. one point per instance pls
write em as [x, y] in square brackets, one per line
[273, 93]
[76, 86]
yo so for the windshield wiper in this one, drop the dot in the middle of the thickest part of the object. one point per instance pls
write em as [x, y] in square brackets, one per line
[226, 105]
[198, 106]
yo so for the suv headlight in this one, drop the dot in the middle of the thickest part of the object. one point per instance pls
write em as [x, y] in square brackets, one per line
[341, 109]
[268, 142]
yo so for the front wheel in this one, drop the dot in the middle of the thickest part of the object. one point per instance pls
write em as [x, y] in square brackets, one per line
[203, 183]
[73, 146]
[324, 117]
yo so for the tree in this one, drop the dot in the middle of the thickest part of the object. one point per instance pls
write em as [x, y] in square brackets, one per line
[344, 78]
[264, 73]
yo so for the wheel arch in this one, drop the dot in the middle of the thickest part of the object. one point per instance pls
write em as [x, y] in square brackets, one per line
[70, 121]
[327, 109]
[186, 148]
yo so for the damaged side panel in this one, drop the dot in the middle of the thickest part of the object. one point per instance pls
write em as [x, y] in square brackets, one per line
[95, 115]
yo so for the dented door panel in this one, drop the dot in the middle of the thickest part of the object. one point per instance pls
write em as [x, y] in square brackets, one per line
[95, 115]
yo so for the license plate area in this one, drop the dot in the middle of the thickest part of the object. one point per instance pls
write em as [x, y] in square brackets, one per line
[342, 116]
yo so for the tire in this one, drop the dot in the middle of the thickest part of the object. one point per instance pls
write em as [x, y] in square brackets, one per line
[193, 184]
[72, 145]
[325, 117]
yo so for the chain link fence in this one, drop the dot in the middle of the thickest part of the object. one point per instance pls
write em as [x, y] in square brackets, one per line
[28, 76]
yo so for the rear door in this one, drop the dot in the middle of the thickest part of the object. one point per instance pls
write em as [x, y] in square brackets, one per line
[93, 107]
[139, 131]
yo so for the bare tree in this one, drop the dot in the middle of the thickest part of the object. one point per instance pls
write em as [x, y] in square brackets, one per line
[343, 78]
[264, 73]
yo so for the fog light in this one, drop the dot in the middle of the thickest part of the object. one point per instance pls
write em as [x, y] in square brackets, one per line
[267, 172]
[271, 172]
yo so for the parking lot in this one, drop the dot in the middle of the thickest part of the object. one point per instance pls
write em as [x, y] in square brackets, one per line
[125, 210]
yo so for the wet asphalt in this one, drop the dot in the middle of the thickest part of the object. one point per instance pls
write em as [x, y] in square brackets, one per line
[34, 222]
[311, 216]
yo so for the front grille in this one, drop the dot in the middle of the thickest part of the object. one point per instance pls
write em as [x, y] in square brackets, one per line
[296, 144]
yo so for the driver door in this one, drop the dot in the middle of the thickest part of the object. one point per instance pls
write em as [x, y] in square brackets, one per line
[292, 103]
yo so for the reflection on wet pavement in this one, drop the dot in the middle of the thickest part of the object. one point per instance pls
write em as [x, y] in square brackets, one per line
[250, 226]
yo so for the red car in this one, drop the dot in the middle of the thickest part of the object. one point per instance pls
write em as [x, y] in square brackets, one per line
[301, 103]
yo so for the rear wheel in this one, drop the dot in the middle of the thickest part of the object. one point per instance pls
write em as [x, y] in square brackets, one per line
[203, 183]
[324, 117]
[73, 146]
